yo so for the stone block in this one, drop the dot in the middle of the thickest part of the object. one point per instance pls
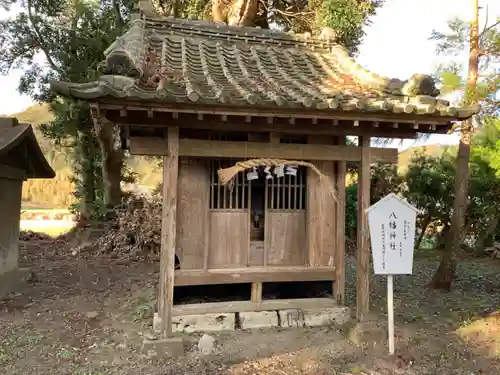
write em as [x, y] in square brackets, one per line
[323, 317]
[259, 319]
[199, 323]
[292, 318]
[172, 346]
[314, 317]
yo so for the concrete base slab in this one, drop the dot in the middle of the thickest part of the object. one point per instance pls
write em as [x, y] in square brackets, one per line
[172, 346]
[199, 323]
[259, 319]
[13, 281]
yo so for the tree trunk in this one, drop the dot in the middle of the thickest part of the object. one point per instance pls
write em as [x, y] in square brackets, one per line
[425, 223]
[487, 238]
[112, 163]
[235, 12]
[446, 271]
[87, 192]
[442, 237]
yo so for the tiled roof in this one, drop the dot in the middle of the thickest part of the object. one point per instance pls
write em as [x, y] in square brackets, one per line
[181, 61]
[19, 139]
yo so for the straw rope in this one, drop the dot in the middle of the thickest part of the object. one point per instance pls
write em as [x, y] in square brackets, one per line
[226, 175]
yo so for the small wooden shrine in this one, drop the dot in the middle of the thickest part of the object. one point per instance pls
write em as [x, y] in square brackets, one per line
[206, 96]
[20, 159]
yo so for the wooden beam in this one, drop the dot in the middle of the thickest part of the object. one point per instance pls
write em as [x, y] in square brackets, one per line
[243, 306]
[195, 108]
[229, 149]
[304, 126]
[363, 245]
[252, 274]
[168, 231]
[150, 146]
[339, 284]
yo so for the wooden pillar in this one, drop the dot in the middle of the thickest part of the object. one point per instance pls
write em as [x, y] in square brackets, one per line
[256, 295]
[339, 285]
[168, 231]
[363, 248]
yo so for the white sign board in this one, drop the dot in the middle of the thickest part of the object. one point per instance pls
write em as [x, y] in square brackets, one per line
[392, 233]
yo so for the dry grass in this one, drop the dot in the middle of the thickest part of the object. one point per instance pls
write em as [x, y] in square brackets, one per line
[483, 333]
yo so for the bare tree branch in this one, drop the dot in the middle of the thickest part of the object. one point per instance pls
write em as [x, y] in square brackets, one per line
[118, 14]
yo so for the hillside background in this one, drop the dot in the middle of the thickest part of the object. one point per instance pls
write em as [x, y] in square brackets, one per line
[57, 192]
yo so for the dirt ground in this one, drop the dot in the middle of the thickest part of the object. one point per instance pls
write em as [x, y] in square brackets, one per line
[89, 317]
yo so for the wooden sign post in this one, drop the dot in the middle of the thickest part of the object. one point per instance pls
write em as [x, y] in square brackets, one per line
[392, 234]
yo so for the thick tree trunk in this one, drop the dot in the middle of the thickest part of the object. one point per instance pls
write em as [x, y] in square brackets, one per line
[446, 271]
[235, 13]
[112, 163]
[442, 237]
[425, 223]
[85, 147]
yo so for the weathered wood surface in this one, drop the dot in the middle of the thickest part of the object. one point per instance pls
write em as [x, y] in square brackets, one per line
[252, 274]
[228, 239]
[285, 238]
[321, 215]
[363, 243]
[192, 214]
[243, 306]
[249, 150]
[339, 284]
[168, 231]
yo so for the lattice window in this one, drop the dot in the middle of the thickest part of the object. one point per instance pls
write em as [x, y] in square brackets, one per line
[230, 197]
[287, 192]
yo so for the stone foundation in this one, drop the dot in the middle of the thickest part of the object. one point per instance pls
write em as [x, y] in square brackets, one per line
[289, 318]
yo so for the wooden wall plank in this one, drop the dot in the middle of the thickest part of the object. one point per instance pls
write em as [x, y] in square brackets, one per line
[285, 238]
[247, 150]
[192, 213]
[256, 254]
[321, 214]
[363, 244]
[168, 231]
[228, 239]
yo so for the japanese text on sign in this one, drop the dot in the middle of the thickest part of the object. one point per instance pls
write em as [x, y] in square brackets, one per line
[392, 235]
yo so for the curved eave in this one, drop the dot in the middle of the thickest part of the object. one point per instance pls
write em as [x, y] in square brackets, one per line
[35, 165]
[120, 87]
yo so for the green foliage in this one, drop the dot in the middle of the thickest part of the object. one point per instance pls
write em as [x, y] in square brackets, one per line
[453, 44]
[428, 183]
[487, 145]
[348, 18]
[64, 40]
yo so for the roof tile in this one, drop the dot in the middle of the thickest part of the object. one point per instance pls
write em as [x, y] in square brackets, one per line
[204, 62]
